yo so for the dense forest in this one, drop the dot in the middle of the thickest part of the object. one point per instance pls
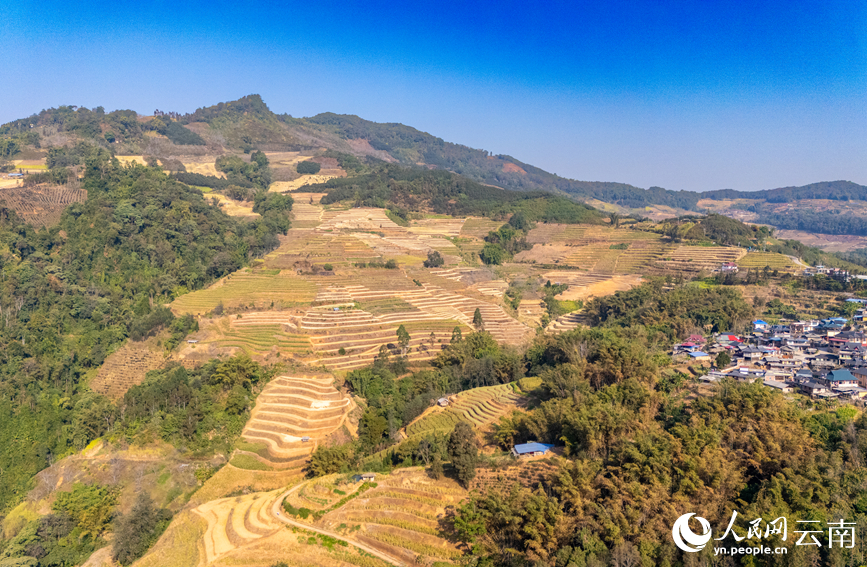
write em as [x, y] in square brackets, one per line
[72, 294]
[835, 190]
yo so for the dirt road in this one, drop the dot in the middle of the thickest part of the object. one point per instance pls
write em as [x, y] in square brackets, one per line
[279, 514]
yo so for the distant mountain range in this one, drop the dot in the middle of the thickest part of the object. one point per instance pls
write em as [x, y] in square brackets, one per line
[248, 123]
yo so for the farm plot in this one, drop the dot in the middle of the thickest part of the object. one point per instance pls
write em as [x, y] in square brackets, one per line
[400, 517]
[450, 227]
[42, 205]
[695, 258]
[361, 219]
[264, 288]
[333, 330]
[127, 367]
[204, 165]
[758, 261]
[306, 212]
[241, 531]
[360, 335]
[543, 233]
[479, 407]
[567, 322]
[255, 334]
[289, 409]
[479, 227]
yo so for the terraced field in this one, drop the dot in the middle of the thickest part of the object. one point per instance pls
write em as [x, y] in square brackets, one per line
[479, 227]
[42, 205]
[334, 326]
[262, 288]
[400, 517]
[257, 334]
[288, 409]
[695, 258]
[127, 367]
[567, 322]
[479, 407]
[758, 260]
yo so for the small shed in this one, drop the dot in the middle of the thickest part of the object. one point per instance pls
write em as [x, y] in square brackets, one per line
[529, 450]
[368, 477]
[443, 402]
[699, 355]
[305, 439]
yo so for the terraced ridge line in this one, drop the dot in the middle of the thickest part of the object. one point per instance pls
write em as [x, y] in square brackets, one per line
[277, 514]
[236, 522]
[399, 517]
[290, 408]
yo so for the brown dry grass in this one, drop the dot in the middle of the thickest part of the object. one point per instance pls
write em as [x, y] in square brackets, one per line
[601, 289]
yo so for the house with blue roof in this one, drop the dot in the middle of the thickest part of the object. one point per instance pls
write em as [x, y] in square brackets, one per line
[759, 325]
[531, 450]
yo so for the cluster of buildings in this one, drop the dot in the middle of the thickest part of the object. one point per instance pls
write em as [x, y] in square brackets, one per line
[838, 274]
[824, 359]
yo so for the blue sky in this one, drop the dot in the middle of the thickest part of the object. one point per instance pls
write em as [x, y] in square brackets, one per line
[684, 95]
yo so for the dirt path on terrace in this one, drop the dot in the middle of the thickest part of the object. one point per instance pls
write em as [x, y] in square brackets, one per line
[275, 513]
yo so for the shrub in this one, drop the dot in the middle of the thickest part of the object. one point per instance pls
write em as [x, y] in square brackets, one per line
[308, 167]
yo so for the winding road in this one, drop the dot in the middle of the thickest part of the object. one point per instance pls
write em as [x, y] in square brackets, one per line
[276, 510]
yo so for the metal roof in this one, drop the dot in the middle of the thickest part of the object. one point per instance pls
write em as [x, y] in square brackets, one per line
[532, 448]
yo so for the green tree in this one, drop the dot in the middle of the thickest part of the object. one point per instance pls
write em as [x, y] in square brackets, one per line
[463, 449]
[477, 319]
[434, 260]
[307, 167]
[137, 531]
[456, 335]
[403, 339]
[237, 371]
[723, 359]
[436, 467]
[615, 219]
[469, 524]
[493, 254]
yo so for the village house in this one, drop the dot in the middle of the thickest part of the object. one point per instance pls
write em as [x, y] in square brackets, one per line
[531, 450]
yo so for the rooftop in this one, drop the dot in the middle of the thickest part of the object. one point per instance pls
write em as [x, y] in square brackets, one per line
[532, 448]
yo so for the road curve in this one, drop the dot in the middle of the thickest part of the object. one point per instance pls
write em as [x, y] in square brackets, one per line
[278, 513]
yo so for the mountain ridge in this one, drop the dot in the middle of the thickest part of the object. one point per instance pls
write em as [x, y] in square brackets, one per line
[248, 123]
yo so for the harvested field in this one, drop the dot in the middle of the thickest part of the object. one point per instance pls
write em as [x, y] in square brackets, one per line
[399, 517]
[544, 254]
[306, 212]
[127, 366]
[289, 408]
[232, 207]
[258, 334]
[695, 258]
[601, 288]
[479, 227]
[262, 288]
[758, 261]
[567, 322]
[479, 407]
[41, 205]
[203, 165]
[361, 333]
[449, 227]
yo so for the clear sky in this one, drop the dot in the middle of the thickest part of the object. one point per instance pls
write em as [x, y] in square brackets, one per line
[695, 95]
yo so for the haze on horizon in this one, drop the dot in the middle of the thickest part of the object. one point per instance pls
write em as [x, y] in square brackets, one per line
[694, 96]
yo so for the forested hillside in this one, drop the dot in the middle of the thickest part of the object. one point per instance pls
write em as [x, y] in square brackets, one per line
[73, 293]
